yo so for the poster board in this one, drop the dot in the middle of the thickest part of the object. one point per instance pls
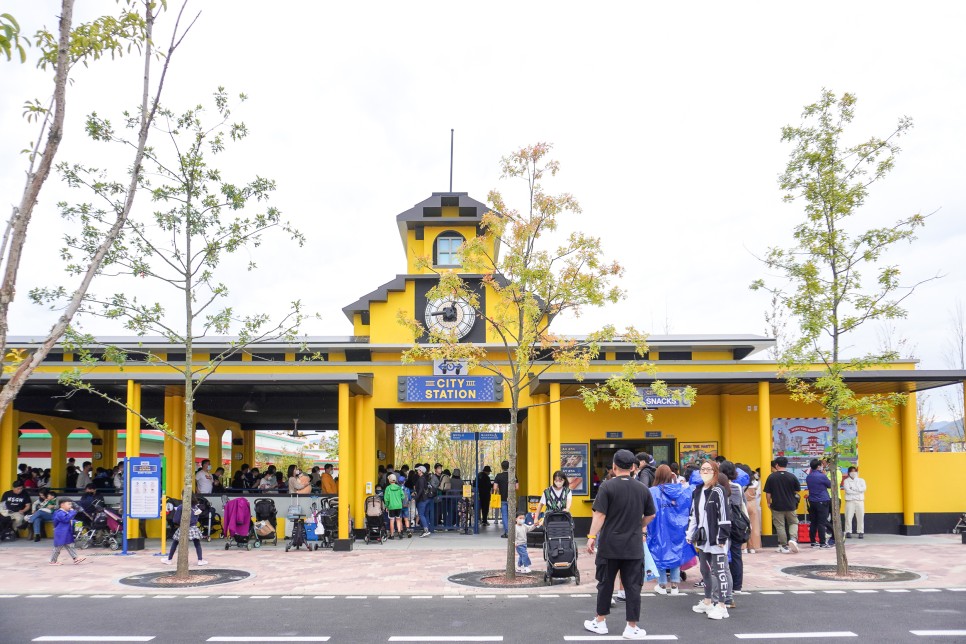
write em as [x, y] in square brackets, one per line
[802, 439]
[689, 453]
[143, 482]
[573, 463]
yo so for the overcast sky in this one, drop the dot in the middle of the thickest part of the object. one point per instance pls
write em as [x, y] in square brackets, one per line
[666, 120]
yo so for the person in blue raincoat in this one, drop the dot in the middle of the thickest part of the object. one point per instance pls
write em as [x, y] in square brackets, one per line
[666, 533]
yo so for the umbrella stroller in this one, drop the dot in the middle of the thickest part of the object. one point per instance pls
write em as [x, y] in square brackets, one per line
[559, 547]
[375, 520]
[299, 538]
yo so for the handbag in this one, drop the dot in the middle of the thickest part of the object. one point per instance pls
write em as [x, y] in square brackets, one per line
[294, 511]
[650, 568]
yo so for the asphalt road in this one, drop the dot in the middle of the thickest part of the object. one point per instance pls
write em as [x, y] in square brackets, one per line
[807, 616]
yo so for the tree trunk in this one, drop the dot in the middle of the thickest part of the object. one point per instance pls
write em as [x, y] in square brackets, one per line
[511, 514]
[841, 558]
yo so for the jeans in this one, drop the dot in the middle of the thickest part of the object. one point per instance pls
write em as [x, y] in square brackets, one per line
[737, 567]
[632, 576]
[424, 508]
[523, 557]
[716, 576]
[662, 575]
[819, 513]
[505, 514]
[782, 521]
[38, 520]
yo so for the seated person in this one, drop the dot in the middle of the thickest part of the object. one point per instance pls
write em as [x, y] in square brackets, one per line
[87, 504]
[43, 512]
[15, 503]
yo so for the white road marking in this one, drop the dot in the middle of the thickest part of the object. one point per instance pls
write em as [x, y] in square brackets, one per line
[131, 596]
[547, 596]
[291, 596]
[615, 638]
[834, 592]
[485, 596]
[388, 597]
[102, 596]
[93, 638]
[454, 596]
[928, 590]
[356, 596]
[422, 596]
[518, 596]
[324, 597]
[792, 636]
[255, 638]
[866, 591]
[896, 590]
[259, 596]
[938, 633]
[196, 596]
[446, 638]
[581, 595]
[955, 590]
[803, 592]
[227, 596]
[36, 596]
[68, 596]
[8, 596]
[772, 592]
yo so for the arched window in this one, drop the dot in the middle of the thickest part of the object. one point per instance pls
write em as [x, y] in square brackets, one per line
[446, 249]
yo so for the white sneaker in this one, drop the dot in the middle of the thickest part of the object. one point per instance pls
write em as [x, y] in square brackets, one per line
[621, 595]
[702, 607]
[526, 569]
[167, 562]
[674, 591]
[783, 550]
[594, 626]
[793, 546]
[660, 590]
[718, 611]
[426, 533]
[634, 633]
[202, 562]
[613, 602]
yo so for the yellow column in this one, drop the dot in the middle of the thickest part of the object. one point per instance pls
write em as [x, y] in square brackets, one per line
[110, 448]
[360, 458]
[9, 440]
[174, 449]
[370, 461]
[909, 431]
[391, 445]
[554, 410]
[58, 457]
[764, 438]
[725, 428]
[214, 447]
[345, 457]
[248, 449]
[132, 438]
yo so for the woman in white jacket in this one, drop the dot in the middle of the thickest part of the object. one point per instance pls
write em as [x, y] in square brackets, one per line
[854, 503]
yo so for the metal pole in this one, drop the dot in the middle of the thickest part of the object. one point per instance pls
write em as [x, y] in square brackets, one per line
[476, 497]
[451, 160]
[125, 513]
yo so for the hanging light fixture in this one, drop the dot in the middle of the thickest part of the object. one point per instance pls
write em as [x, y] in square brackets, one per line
[250, 407]
[63, 407]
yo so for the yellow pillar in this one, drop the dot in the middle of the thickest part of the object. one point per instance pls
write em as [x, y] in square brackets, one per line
[360, 459]
[391, 444]
[909, 432]
[9, 441]
[725, 428]
[764, 438]
[214, 447]
[345, 457]
[554, 410]
[174, 449]
[110, 448]
[58, 457]
[248, 449]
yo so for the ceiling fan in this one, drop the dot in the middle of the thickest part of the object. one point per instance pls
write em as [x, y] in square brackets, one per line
[295, 433]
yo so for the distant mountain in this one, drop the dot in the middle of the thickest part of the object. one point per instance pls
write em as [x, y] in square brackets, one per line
[944, 426]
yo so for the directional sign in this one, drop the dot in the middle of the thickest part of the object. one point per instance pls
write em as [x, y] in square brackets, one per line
[615, 434]
[462, 436]
[491, 436]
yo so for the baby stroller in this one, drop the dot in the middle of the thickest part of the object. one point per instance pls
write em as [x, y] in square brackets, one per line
[266, 520]
[239, 529]
[375, 520]
[208, 520]
[299, 537]
[328, 518]
[105, 528]
[960, 525]
[7, 530]
[559, 547]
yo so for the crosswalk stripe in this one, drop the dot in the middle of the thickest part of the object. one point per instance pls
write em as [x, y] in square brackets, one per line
[789, 636]
[36, 596]
[928, 590]
[616, 638]
[281, 638]
[446, 638]
[8, 596]
[938, 633]
[93, 638]
[897, 590]
[834, 592]
[865, 591]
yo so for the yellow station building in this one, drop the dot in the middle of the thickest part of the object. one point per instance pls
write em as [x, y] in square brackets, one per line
[362, 389]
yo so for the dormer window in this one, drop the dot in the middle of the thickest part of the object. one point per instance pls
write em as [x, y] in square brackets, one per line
[446, 251]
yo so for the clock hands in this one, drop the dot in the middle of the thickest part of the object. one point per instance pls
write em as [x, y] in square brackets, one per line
[448, 312]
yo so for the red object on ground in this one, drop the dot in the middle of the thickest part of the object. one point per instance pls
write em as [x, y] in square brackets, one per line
[803, 532]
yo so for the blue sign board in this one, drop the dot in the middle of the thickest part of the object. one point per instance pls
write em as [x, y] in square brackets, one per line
[462, 436]
[143, 487]
[574, 464]
[491, 436]
[450, 389]
[615, 434]
[651, 400]
[652, 434]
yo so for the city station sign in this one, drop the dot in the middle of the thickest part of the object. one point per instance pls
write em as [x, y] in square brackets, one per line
[450, 389]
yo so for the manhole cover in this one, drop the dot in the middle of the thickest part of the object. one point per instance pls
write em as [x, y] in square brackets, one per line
[497, 579]
[166, 578]
[856, 573]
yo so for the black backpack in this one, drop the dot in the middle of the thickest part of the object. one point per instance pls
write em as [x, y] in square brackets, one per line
[740, 525]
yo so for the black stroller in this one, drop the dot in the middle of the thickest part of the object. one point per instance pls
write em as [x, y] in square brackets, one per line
[237, 532]
[559, 547]
[7, 530]
[376, 520]
[208, 520]
[328, 518]
[266, 520]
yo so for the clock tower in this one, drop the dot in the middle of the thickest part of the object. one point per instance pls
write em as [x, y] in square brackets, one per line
[436, 228]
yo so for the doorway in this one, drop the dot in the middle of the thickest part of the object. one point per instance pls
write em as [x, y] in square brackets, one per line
[602, 455]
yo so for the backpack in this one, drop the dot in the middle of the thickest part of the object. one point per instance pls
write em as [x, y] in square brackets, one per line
[430, 492]
[740, 525]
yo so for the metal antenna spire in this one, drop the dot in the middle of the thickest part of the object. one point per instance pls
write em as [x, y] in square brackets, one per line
[451, 159]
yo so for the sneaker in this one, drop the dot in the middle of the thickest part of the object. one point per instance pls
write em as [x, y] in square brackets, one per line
[519, 569]
[526, 570]
[751, 551]
[825, 546]
[674, 591]
[793, 546]
[503, 535]
[36, 538]
[702, 607]
[783, 550]
[660, 590]
[699, 583]
[848, 535]
[814, 544]
[166, 561]
[730, 603]
[202, 562]
[620, 598]
[425, 534]
[613, 602]
[56, 563]
[621, 595]
[80, 560]
[718, 611]
[634, 633]
[861, 535]
[594, 626]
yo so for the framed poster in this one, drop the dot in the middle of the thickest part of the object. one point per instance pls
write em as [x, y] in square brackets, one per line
[573, 463]
[689, 453]
[802, 439]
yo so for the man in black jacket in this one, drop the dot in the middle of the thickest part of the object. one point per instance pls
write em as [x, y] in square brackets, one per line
[646, 469]
[484, 485]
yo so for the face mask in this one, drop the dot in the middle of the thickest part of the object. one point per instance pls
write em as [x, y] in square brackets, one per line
[707, 476]
[558, 483]
[757, 477]
[852, 475]
[520, 521]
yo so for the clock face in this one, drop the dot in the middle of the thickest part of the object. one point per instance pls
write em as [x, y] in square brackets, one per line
[450, 315]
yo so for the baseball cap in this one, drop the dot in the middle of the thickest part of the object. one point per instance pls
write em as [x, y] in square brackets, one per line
[624, 459]
[421, 469]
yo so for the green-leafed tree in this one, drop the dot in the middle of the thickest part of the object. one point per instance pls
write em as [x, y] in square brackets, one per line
[835, 278]
[532, 282]
[59, 53]
[200, 220]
